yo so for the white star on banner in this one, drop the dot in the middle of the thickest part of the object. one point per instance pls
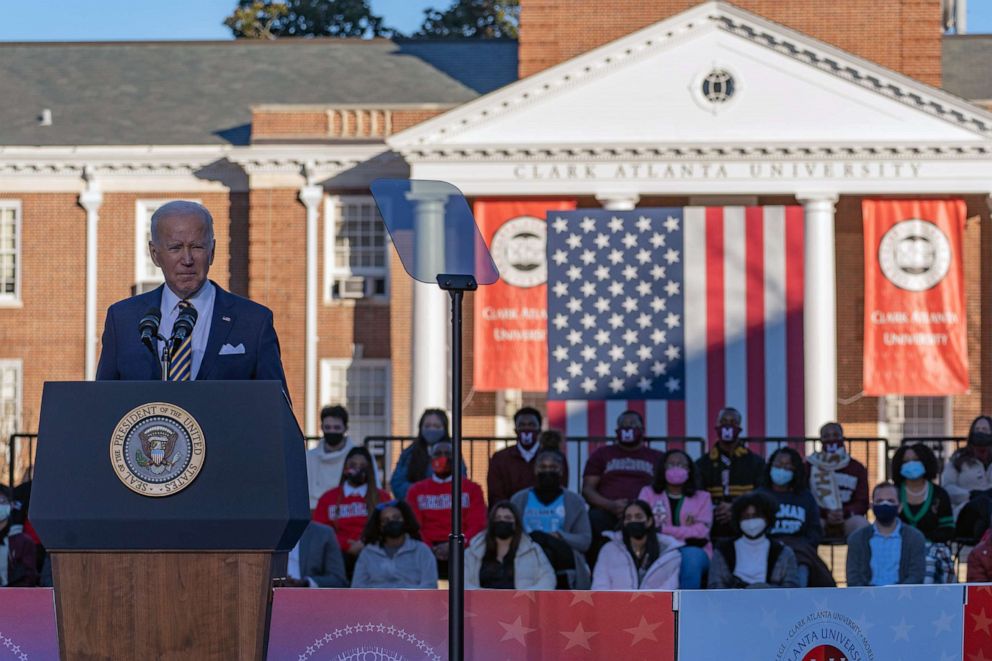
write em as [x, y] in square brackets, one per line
[601, 305]
[616, 384]
[561, 385]
[602, 369]
[560, 289]
[561, 353]
[658, 304]
[659, 336]
[615, 257]
[672, 224]
[943, 623]
[602, 272]
[615, 288]
[574, 370]
[630, 336]
[672, 384]
[630, 241]
[644, 352]
[602, 241]
[672, 288]
[515, 631]
[560, 224]
[602, 336]
[658, 272]
[672, 320]
[560, 321]
[644, 288]
[560, 257]
[643, 256]
[658, 368]
[574, 305]
[901, 630]
[574, 336]
[657, 240]
[588, 353]
[616, 320]
[643, 631]
[644, 320]
[630, 304]
[588, 288]
[616, 353]
[671, 256]
[644, 384]
[588, 224]
[588, 321]
[574, 241]
[630, 368]
[673, 352]
[630, 272]
[616, 224]
[644, 224]
[573, 272]
[588, 257]
[589, 384]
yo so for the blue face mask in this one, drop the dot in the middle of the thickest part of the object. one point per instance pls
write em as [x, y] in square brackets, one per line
[912, 470]
[781, 476]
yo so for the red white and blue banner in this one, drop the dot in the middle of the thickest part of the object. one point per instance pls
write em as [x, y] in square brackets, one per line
[27, 624]
[898, 622]
[676, 313]
[321, 625]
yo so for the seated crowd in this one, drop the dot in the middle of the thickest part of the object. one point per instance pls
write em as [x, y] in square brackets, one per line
[645, 520]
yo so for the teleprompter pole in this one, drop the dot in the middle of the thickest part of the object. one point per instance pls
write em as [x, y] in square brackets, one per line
[456, 286]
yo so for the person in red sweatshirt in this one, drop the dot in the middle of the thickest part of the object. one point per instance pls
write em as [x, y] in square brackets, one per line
[347, 507]
[430, 500]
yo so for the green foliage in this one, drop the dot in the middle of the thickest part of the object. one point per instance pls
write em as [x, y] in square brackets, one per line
[270, 19]
[472, 19]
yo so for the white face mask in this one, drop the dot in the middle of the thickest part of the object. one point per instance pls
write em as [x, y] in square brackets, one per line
[752, 528]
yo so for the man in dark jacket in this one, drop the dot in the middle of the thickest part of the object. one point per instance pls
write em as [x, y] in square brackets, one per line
[886, 552]
[728, 471]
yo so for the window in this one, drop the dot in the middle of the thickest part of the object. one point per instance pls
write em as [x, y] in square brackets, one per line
[147, 276]
[363, 387]
[10, 398]
[355, 249]
[902, 417]
[10, 250]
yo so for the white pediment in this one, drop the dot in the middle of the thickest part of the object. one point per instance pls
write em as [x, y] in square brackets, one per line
[645, 89]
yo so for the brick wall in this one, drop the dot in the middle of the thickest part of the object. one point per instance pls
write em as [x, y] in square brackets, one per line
[903, 35]
[290, 122]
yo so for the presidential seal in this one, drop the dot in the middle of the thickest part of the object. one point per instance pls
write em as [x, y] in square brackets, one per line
[519, 250]
[157, 449]
[914, 255]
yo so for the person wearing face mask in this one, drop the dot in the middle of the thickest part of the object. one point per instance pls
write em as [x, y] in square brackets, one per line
[556, 520]
[393, 555]
[414, 463]
[839, 483]
[797, 517]
[18, 554]
[614, 475]
[504, 558]
[968, 474]
[683, 511]
[925, 506]
[637, 556]
[430, 501]
[728, 471]
[346, 508]
[887, 552]
[326, 461]
[512, 468]
[753, 560]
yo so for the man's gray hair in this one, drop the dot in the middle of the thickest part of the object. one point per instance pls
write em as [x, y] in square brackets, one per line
[181, 208]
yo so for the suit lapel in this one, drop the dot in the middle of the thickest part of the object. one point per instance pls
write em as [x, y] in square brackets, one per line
[221, 324]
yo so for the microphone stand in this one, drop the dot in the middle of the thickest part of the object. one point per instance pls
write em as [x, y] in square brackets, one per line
[166, 358]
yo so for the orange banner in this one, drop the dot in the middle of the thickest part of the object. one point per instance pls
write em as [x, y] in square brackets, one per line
[915, 319]
[511, 316]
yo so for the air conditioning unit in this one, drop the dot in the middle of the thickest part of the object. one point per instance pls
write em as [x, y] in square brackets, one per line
[351, 287]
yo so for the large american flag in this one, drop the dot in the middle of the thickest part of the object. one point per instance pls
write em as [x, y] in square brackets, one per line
[676, 313]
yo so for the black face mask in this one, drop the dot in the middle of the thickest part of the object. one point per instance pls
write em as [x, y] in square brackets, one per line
[333, 439]
[357, 478]
[548, 481]
[636, 529]
[503, 529]
[392, 529]
[980, 439]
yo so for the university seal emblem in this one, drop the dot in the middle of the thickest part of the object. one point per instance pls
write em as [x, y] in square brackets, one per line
[914, 255]
[157, 449]
[519, 250]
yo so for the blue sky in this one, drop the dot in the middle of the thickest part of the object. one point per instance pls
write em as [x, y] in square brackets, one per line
[96, 20]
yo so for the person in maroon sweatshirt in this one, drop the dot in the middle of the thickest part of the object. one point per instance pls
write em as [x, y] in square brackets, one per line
[839, 483]
[512, 469]
[430, 500]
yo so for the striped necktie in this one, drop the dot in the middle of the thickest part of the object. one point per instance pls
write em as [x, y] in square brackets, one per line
[181, 365]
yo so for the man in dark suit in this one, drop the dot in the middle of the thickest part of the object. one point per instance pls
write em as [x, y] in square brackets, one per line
[233, 338]
[316, 561]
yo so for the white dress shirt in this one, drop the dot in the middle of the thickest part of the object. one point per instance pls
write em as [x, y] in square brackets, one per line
[203, 301]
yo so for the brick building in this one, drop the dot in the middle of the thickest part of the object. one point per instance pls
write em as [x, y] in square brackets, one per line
[281, 140]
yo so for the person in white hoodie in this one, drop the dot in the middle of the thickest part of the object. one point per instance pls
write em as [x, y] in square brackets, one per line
[503, 556]
[326, 461]
[638, 557]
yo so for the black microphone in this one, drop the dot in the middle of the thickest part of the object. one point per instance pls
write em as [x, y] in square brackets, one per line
[148, 328]
[183, 327]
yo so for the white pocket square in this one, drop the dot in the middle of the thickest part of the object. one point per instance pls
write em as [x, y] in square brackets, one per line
[228, 350]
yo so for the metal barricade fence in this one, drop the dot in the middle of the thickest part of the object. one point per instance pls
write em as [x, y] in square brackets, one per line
[23, 460]
[478, 449]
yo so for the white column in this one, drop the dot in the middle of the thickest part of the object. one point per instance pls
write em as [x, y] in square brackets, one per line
[618, 201]
[819, 310]
[431, 364]
[90, 199]
[311, 195]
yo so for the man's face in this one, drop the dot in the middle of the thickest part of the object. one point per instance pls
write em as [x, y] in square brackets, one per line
[332, 425]
[728, 427]
[832, 437]
[887, 495]
[527, 422]
[184, 251]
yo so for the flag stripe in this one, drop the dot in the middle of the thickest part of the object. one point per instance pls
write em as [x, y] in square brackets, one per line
[776, 397]
[697, 421]
[756, 372]
[735, 310]
[794, 317]
[715, 348]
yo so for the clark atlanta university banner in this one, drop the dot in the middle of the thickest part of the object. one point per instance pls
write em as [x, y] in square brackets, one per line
[511, 319]
[915, 321]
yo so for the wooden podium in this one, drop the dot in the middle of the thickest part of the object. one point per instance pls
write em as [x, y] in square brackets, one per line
[187, 575]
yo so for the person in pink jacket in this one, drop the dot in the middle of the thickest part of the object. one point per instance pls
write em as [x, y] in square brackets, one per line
[637, 557]
[683, 511]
